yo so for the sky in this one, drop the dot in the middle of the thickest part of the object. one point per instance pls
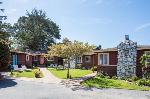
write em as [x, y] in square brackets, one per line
[98, 22]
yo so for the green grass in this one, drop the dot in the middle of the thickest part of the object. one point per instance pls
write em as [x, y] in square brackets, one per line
[111, 83]
[75, 73]
[28, 73]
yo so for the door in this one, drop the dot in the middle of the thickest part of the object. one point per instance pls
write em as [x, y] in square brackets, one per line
[14, 59]
[41, 60]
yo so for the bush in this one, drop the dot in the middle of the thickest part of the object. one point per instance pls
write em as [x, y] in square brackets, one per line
[101, 75]
[38, 73]
[134, 78]
[144, 82]
[4, 55]
[114, 77]
[94, 68]
[78, 66]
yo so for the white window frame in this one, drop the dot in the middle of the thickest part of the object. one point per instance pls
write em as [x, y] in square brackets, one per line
[79, 59]
[27, 57]
[89, 59]
[99, 62]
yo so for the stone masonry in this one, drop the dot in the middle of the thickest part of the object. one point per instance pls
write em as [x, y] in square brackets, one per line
[127, 53]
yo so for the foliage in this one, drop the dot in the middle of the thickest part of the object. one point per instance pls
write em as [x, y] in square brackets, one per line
[99, 82]
[38, 73]
[29, 74]
[94, 68]
[73, 72]
[114, 77]
[69, 50]
[79, 66]
[4, 55]
[5, 31]
[145, 64]
[143, 59]
[144, 82]
[35, 31]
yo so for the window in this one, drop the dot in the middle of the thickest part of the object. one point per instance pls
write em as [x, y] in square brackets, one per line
[104, 59]
[79, 59]
[35, 58]
[87, 59]
[27, 57]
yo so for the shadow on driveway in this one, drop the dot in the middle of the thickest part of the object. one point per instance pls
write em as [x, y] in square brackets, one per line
[7, 83]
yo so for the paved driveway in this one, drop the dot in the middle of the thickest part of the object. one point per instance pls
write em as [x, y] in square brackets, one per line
[17, 89]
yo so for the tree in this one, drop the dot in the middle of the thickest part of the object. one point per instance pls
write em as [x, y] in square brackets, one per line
[80, 48]
[4, 42]
[35, 31]
[5, 31]
[2, 17]
[69, 51]
[4, 54]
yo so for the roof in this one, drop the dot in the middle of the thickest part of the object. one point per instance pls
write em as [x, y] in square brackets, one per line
[89, 53]
[19, 52]
[106, 50]
[139, 47]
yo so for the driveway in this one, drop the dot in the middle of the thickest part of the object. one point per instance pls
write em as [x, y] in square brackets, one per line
[17, 89]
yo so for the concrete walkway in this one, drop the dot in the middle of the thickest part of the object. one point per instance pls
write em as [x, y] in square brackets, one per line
[74, 84]
[48, 77]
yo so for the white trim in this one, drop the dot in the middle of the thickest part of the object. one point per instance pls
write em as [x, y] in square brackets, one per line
[109, 65]
[107, 59]
[80, 59]
[27, 57]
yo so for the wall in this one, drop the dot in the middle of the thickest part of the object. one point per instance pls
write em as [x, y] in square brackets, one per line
[111, 68]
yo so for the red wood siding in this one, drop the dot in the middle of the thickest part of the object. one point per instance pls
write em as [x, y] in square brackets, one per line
[113, 58]
[21, 58]
[110, 69]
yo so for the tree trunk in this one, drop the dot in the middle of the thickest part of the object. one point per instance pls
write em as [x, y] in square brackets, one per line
[68, 74]
[75, 62]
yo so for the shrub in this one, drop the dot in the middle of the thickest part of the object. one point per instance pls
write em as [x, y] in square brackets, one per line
[134, 78]
[114, 77]
[4, 55]
[38, 73]
[101, 75]
[94, 68]
[144, 82]
[78, 66]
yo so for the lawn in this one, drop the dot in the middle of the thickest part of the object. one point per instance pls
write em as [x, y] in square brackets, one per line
[26, 73]
[99, 82]
[73, 72]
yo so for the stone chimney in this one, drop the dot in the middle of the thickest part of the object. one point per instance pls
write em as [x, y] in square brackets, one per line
[126, 37]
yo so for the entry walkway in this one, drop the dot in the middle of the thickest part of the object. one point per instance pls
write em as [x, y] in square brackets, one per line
[48, 77]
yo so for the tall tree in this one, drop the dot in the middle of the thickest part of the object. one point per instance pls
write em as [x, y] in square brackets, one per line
[35, 31]
[4, 44]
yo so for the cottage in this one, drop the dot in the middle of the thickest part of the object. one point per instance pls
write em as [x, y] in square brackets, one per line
[108, 60]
